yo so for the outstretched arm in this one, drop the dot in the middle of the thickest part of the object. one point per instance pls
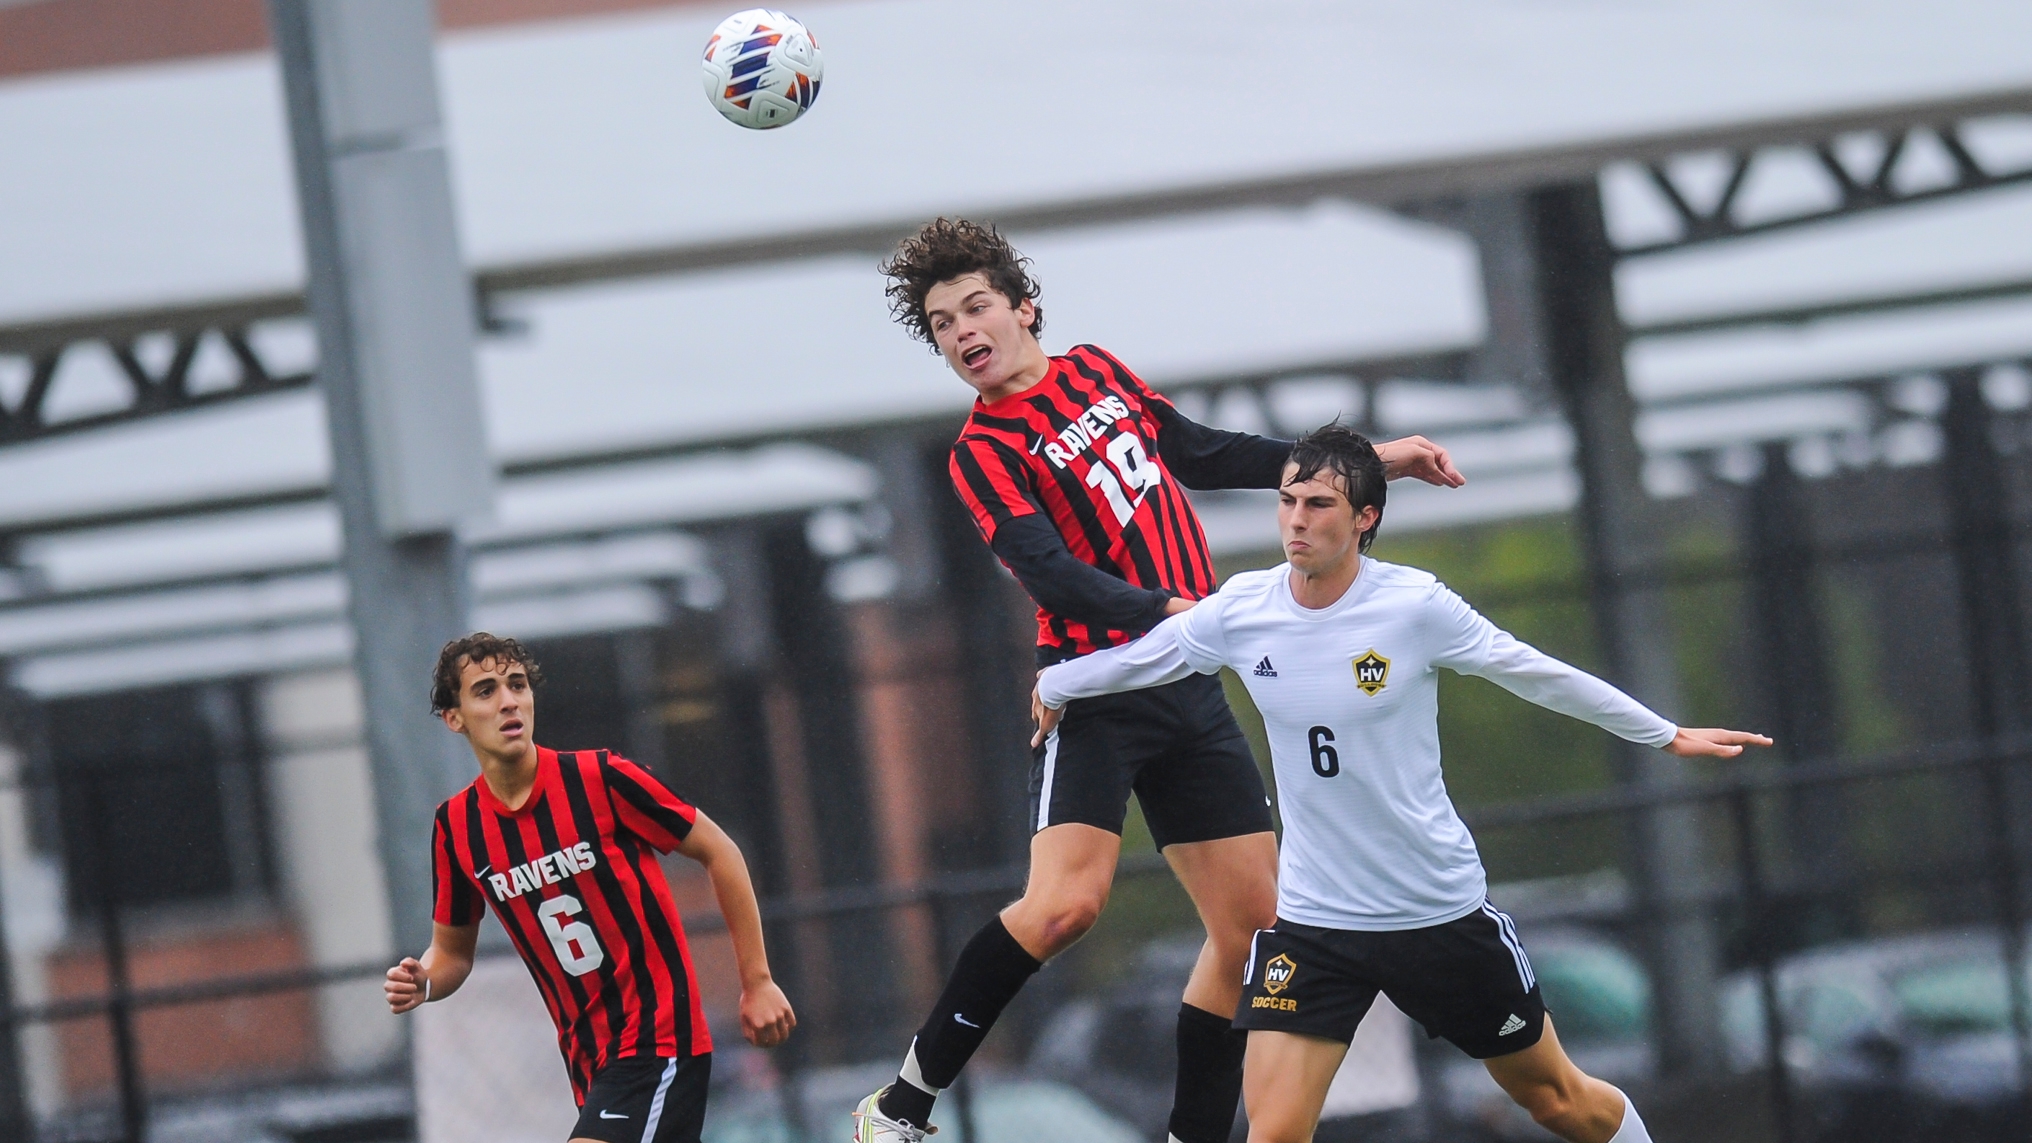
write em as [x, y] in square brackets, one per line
[1152, 661]
[1203, 457]
[766, 1016]
[1537, 677]
[443, 967]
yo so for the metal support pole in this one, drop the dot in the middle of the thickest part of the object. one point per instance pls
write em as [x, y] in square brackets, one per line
[1993, 625]
[1549, 277]
[1763, 953]
[1778, 541]
[16, 1117]
[113, 946]
[753, 811]
[395, 318]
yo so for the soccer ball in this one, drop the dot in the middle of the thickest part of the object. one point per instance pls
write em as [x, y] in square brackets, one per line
[762, 68]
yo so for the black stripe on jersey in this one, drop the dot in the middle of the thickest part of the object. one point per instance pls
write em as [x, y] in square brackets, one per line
[641, 800]
[646, 993]
[460, 889]
[476, 843]
[661, 924]
[983, 486]
[643, 906]
[1086, 511]
[610, 887]
[580, 1029]
[1177, 543]
[547, 833]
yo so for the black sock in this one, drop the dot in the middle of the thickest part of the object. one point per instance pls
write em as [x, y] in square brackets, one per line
[991, 970]
[1209, 1076]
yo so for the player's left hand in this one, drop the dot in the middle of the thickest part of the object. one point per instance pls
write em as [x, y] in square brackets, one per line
[1045, 718]
[1419, 459]
[766, 1016]
[1713, 743]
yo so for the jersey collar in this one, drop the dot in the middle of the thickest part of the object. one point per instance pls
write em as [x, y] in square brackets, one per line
[1008, 404]
[1364, 576]
[546, 770]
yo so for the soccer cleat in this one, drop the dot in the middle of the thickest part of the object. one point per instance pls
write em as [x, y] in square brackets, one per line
[871, 1126]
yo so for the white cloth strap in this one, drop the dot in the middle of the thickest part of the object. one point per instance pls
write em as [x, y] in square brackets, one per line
[911, 1073]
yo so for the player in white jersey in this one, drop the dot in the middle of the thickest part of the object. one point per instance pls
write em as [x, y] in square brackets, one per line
[1380, 887]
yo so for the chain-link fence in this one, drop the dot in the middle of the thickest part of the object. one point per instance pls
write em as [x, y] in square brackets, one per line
[1880, 995]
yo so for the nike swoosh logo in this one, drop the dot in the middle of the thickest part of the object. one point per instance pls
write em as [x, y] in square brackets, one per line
[964, 1020]
[611, 1115]
[481, 871]
[1035, 445]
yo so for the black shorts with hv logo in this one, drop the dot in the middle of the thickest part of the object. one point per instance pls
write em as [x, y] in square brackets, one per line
[1468, 980]
[1176, 747]
[647, 1099]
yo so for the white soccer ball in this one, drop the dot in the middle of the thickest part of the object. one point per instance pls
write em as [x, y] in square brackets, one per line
[762, 68]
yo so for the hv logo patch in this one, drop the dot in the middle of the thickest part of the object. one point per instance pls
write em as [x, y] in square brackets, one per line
[1277, 973]
[1372, 672]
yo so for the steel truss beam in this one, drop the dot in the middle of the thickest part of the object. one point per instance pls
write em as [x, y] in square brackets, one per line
[1420, 188]
[1851, 184]
[166, 387]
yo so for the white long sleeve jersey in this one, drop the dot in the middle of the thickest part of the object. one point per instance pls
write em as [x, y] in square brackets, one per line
[1350, 697]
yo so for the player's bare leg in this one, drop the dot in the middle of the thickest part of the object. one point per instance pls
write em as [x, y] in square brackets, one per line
[1233, 884]
[1072, 868]
[1563, 1099]
[1285, 1082]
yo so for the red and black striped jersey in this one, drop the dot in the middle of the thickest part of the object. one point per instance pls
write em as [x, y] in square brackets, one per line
[573, 878]
[1081, 448]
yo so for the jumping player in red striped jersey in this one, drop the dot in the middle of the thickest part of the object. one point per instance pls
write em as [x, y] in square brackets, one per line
[1075, 473]
[563, 848]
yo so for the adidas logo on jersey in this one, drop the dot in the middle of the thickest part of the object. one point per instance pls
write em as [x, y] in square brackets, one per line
[1514, 1024]
[1265, 670]
[549, 869]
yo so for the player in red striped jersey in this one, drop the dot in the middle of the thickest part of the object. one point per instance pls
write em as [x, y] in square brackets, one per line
[563, 848]
[1075, 473]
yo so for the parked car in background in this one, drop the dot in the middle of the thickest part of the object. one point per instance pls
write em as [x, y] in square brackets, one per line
[1904, 1038]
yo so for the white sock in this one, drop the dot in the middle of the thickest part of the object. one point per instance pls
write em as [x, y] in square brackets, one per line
[915, 1078]
[1632, 1130]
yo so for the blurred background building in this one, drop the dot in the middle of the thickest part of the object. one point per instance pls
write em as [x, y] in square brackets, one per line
[1724, 307]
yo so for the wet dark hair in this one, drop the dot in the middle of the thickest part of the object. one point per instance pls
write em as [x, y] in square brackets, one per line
[479, 647]
[948, 248]
[1347, 454]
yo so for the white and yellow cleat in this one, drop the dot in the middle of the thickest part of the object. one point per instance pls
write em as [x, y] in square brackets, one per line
[871, 1126]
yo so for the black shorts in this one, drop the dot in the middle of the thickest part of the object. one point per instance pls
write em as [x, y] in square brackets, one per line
[647, 1099]
[1467, 980]
[1176, 746]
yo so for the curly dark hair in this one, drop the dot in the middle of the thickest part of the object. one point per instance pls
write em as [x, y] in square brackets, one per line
[948, 248]
[1347, 454]
[479, 647]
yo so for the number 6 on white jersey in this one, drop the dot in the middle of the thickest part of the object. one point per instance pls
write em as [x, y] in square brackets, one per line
[577, 946]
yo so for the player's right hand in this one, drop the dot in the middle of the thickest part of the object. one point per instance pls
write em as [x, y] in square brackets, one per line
[1045, 717]
[1708, 743]
[404, 986]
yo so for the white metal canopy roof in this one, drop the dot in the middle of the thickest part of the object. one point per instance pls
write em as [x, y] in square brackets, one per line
[169, 183]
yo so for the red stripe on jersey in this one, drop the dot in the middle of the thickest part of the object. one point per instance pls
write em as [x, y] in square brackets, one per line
[1080, 448]
[572, 876]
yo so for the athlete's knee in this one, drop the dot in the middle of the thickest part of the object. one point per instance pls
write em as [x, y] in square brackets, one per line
[1067, 919]
[1063, 915]
[1555, 1106]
